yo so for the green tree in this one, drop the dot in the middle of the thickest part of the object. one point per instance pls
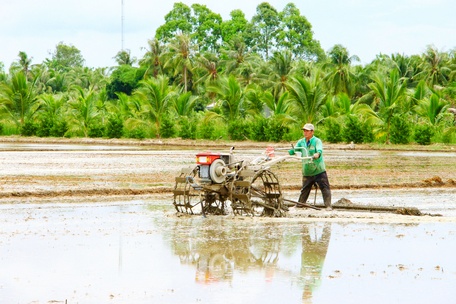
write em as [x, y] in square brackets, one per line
[154, 59]
[389, 93]
[231, 95]
[177, 22]
[155, 95]
[180, 60]
[432, 109]
[400, 129]
[340, 75]
[206, 32]
[234, 28]
[435, 67]
[265, 27]
[308, 95]
[65, 57]
[124, 57]
[353, 129]
[124, 79]
[296, 35]
[423, 134]
[18, 99]
[85, 112]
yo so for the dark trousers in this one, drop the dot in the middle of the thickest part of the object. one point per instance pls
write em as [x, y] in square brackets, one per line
[322, 181]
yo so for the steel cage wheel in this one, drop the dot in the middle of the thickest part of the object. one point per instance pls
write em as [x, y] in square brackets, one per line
[186, 193]
[214, 203]
[266, 195]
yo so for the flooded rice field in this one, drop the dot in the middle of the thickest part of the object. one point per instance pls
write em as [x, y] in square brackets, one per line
[141, 252]
[95, 224]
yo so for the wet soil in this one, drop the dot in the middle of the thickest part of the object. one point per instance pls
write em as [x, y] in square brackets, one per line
[92, 221]
[33, 168]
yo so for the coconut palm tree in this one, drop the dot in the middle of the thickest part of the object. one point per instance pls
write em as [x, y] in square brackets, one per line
[281, 108]
[340, 75]
[206, 69]
[25, 62]
[432, 108]
[184, 103]
[435, 67]
[154, 58]
[155, 95]
[18, 99]
[254, 101]
[390, 93]
[52, 113]
[181, 60]
[85, 111]
[231, 96]
[279, 69]
[308, 95]
[124, 57]
[238, 61]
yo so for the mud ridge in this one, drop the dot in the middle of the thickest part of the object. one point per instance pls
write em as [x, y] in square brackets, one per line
[168, 190]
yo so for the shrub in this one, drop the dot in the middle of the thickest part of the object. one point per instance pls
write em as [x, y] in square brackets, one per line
[449, 135]
[258, 129]
[44, 128]
[333, 131]
[400, 130]
[114, 128]
[238, 130]
[58, 129]
[353, 131]
[138, 133]
[206, 130]
[423, 134]
[187, 128]
[96, 130]
[29, 128]
[167, 128]
[368, 133]
[275, 130]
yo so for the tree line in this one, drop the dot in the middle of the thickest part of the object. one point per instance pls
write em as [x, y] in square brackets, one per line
[204, 77]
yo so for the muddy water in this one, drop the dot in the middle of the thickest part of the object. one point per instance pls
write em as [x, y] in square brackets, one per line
[141, 252]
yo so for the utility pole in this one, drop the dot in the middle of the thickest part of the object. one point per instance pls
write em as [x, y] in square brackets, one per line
[122, 25]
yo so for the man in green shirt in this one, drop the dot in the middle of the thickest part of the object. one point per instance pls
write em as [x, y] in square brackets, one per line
[314, 171]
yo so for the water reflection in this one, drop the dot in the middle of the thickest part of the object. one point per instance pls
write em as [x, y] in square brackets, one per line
[315, 244]
[102, 253]
[221, 249]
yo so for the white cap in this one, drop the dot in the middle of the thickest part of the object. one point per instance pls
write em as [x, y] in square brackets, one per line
[308, 126]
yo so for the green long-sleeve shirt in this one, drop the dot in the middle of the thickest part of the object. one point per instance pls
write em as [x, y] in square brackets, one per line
[316, 166]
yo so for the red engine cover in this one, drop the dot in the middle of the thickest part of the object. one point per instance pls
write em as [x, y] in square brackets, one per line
[206, 158]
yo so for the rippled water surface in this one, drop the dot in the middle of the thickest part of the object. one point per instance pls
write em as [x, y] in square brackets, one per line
[141, 252]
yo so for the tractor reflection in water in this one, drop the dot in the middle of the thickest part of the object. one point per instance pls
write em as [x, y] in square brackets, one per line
[218, 182]
[226, 248]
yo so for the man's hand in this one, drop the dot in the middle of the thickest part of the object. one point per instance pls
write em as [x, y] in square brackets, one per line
[316, 155]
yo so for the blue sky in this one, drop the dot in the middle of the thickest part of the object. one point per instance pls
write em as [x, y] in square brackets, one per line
[365, 27]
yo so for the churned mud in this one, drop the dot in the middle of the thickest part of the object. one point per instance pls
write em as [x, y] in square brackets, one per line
[46, 169]
[92, 221]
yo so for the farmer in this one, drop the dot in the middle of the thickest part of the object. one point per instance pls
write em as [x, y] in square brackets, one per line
[314, 171]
